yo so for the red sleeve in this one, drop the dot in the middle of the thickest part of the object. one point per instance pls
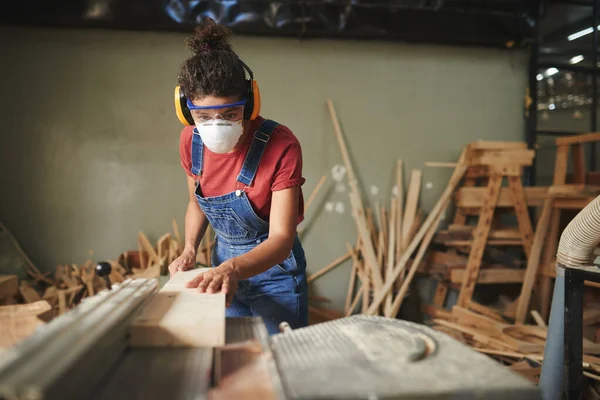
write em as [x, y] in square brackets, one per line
[185, 149]
[289, 168]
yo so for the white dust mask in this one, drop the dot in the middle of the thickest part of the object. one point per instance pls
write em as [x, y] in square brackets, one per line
[220, 136]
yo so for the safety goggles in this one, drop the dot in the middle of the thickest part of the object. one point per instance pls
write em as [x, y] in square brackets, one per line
[232, 112]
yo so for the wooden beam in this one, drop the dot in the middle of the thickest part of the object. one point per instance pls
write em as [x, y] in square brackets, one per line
[400, 208]
[574, 139]
[481, 236]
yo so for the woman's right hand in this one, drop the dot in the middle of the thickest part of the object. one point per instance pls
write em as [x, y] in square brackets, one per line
[185, 261]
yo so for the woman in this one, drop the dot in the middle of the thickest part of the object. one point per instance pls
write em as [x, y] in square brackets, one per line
[244, 178]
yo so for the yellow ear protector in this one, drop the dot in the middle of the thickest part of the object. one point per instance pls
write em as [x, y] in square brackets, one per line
[251, 108]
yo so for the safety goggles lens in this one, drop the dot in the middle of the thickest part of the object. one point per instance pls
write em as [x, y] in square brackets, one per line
[228, 112]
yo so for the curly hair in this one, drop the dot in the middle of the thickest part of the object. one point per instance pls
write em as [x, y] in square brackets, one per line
[214, 69]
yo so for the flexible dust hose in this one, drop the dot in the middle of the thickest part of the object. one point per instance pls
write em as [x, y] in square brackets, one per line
[580, 238]
[575, 249]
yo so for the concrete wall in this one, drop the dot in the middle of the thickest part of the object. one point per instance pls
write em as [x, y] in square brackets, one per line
[89, 143]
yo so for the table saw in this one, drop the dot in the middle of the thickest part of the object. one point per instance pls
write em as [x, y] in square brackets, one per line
[84, 354]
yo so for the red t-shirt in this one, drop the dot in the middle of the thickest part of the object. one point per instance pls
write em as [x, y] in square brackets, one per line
[280, 168]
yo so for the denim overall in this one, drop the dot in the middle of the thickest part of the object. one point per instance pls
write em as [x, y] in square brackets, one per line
[278, 294]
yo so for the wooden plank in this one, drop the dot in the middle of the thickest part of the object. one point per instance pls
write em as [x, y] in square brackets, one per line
[496, 145]
[574, 139]
[524, 223]
[180, 317]
[490, 275]
[533, 262]
[412, 202]
[433, 218]
[477, 335]
[483, 310]
[440, 164]
[152, 254]
[9, 288]
[472, 197]
[495, 158]
[436, 312]
[578, 163]
[441, 291]
[481, 236]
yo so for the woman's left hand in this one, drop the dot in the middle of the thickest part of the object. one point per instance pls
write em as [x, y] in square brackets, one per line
[219, 279]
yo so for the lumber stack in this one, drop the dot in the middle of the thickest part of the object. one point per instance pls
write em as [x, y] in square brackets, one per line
[520, 347]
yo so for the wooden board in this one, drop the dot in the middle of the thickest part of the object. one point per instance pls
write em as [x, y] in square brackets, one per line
[180, 317]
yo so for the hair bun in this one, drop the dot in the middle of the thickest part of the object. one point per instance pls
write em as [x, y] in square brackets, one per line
[209, 36]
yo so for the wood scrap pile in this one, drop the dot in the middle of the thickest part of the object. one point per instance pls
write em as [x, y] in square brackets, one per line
[520, 347]
[71, 283]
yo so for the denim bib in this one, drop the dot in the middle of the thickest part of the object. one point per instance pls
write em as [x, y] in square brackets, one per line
[278, 294]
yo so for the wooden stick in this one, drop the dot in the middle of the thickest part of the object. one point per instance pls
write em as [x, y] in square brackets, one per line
[538, 319]
[440, 164]
[400, 208]
[434, 216]
[351, 286]
[329, 267]
[312, 196]
[412, 201]
[33, 271]
[533, 261]
[391, 251]
[352, 306]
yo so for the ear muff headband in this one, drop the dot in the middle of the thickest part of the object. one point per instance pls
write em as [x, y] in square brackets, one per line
[251, 109]
[181, 109]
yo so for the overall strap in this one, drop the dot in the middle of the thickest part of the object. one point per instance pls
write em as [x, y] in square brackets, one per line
[197, 153]
[255, 152]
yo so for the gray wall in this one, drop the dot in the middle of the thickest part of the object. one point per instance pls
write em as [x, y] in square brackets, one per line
[89, 143]
[559, 120]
